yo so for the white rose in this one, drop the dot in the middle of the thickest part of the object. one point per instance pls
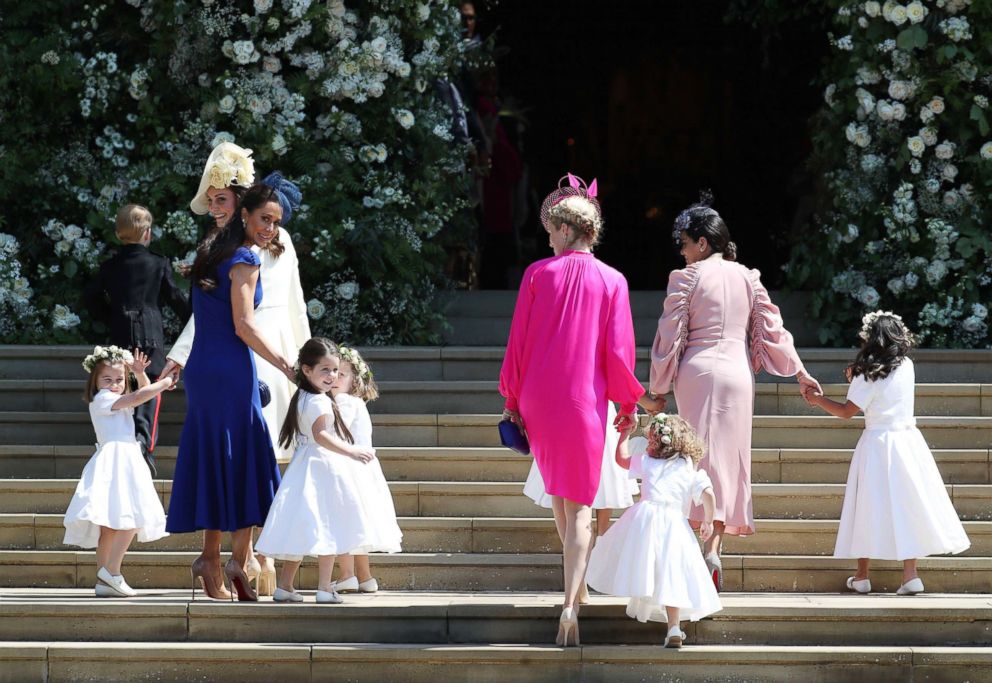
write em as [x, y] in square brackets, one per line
[898, 90]
[226, 104]
[899, 111]
[347, 290]
[898, 15]
[262, 6]
[929, 135]
[873, 9]
[271, 64]
[950, 172]
[916, 145]
[884, 109]
[379, 45]
[828, 94]
[279, 144]
[380, 153]
[423, 11]
[403, 70]
[936, 105]
[316, 309]
[911, 280]
[926, 116]
[916, 12]
[405, 118]
[944, 150]
[986, 150]
[861, 138]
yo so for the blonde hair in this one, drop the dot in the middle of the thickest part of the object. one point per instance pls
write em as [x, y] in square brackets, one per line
[581, 214]
[683, 440]
[132, 222]
[363, 382]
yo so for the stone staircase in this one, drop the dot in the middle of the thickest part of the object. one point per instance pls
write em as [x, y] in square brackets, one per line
[472, 597]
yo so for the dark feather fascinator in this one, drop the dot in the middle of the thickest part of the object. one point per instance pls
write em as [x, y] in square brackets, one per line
[287, 192]
[703, 207]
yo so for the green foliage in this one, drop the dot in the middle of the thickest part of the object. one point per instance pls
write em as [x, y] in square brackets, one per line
[109, 103]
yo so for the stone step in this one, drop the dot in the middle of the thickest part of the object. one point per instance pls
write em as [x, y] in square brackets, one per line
[452, 617]
[505, 499]
[482, 363]
[458, 396]
[499, 571]
[475, 431]
[496, 464]
[27, 531]
[47, 662]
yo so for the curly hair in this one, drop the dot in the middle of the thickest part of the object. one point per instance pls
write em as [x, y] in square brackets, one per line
[684, 441]
[887, 341]
[580, 213]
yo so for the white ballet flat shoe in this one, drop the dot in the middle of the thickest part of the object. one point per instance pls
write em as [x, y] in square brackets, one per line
[911, 587]
[675, 637]
[280, 595]
[349, 585]
[110, 586]
[370, 585]
[862, 586]
[329, 597]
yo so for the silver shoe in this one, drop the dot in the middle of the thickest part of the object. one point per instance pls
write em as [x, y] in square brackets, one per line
[715, 568]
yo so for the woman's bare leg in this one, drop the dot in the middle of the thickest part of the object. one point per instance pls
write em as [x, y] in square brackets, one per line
[577, 546]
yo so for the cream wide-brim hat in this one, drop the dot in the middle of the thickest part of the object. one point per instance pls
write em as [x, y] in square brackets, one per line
[227, 165]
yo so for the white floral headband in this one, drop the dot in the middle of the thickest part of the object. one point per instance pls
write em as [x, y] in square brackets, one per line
[659, 423]
[869, 319]
[109, 354]
[352, 356]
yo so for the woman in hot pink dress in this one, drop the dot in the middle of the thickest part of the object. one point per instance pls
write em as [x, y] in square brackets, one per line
[717, 329]
[571, 349]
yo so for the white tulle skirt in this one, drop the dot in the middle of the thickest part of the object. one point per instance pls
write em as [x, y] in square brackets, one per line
[651, 556]
[320, 509]
[616, 491]
[116, 491]
[895, 504]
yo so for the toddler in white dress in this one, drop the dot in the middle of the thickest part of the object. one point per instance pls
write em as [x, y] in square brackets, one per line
[354, 387]
[317, 510]
[115, 499]
[650, 554]
[895, 504]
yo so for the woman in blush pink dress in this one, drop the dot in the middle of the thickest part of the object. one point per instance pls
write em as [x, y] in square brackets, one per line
[571, 350]
[717, 329]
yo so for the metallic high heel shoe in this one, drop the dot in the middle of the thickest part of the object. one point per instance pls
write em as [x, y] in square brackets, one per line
[200, 569]
[266, 583]
[715, 568]
[568, 624]
[239, 582]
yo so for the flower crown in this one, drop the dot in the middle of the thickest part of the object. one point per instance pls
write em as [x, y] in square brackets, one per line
[659, 423]
[361, 367]
[869, 319]
[110, 354]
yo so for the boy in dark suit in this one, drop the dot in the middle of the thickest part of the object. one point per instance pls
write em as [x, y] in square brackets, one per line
[127, 295]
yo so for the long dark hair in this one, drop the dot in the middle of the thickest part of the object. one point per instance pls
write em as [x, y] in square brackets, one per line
[702, 220]
[887, 341]
[220, 245]
[315, 350]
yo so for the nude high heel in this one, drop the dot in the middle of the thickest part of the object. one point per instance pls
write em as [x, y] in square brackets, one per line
[568, 624]
[239, 582]
[200, 569]
[266, 583]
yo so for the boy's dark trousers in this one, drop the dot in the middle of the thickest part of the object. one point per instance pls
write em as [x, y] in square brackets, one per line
[145, 427]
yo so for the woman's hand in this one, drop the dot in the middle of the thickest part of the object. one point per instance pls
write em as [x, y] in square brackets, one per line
[808, 384]
[173, 369]
[514, 417]
[362, 454]
[653, 403]
[625, 422]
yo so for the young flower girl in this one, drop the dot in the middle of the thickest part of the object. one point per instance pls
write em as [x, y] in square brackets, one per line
[354, 387]
[115, 499]
[318, 508]
[895, 504]
[650, 554]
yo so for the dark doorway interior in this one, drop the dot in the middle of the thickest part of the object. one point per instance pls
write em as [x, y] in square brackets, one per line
[657, 100]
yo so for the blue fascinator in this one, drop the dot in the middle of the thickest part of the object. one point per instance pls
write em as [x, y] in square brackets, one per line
[287, 192]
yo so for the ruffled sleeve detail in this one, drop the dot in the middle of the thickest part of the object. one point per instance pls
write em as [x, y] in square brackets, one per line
[771, 345]
[673, 329]
[245, 255]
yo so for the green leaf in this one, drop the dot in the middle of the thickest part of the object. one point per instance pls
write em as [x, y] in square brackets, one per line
[912, 37]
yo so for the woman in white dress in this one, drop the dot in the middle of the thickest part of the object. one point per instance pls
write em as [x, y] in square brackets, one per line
[895, 504]
[651, 554]
[282, 314]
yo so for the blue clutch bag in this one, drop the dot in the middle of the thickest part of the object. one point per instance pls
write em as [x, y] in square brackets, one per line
[511, 437]
[263, 393]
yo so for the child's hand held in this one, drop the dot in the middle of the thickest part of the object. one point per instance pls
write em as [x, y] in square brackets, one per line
[706, 530]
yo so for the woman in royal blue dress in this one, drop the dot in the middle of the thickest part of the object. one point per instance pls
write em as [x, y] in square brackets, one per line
[226, 472]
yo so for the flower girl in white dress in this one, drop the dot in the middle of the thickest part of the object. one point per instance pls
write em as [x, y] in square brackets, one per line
[317, 510]
[650, 554]
[354, 387]
[115, 499]
[895, 504]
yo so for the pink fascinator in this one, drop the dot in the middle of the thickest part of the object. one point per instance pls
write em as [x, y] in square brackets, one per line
[570, 186]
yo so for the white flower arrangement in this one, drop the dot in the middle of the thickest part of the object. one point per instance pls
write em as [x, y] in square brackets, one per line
[869, 319]
[352, 356]
[316, 309]
[109, 354]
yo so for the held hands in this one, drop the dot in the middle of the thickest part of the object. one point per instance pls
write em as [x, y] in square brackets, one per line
[171, 369]
[809, 387]
[625, 423]
[706, 530]
[362, 454]
[653, 403]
